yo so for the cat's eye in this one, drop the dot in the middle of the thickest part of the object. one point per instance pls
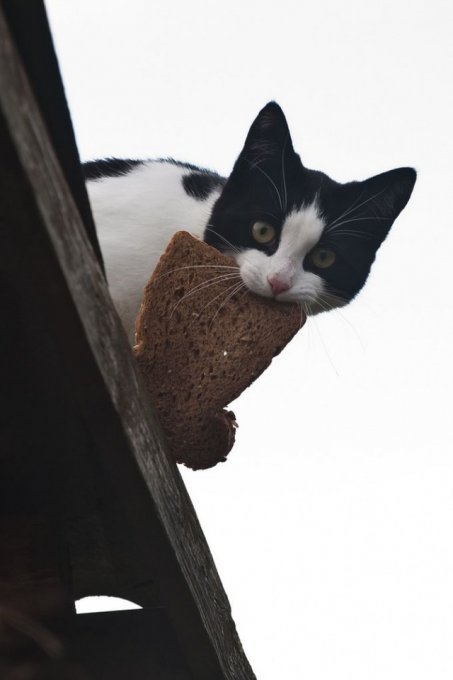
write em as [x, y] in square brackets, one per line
[263, 232]
[322, 258]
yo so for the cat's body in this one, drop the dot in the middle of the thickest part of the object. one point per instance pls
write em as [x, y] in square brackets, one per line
[136, 214]
[296, 234]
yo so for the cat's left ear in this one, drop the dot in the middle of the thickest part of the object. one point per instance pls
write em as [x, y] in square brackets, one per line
[388, 193]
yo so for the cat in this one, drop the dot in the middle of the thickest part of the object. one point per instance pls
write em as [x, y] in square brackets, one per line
[296, 235]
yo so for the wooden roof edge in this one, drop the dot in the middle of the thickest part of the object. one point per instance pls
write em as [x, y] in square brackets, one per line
[38, 57]
[144, 460]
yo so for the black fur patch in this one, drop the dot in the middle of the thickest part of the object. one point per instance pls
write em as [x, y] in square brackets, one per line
[109, 167]
[183, 164]
[201, 183]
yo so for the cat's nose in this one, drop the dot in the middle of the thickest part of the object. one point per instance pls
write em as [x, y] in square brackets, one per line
[277, 284]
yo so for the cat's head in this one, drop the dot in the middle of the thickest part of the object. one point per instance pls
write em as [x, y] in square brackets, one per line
[296, 234]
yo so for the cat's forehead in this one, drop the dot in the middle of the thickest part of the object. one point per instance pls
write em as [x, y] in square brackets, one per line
[301, 230]
[290, 187]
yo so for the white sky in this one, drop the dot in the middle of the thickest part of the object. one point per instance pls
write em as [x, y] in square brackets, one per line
[331, 523]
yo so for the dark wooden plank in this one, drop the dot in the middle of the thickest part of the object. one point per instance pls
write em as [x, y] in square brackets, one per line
[31, 579]
[29, 29]
[30, 651]
[125, 645]
[105, 443]
[121, 645]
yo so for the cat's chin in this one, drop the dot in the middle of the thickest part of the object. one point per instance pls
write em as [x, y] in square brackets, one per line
[327, 304]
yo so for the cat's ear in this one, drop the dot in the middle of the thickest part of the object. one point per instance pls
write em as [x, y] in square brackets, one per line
[374, 204]
[386, 195]
[267, 138]
[270, 127]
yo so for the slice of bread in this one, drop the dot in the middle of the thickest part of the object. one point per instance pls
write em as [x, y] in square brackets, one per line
[201, 339]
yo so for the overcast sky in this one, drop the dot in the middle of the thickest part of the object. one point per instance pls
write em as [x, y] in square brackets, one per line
[331, 522]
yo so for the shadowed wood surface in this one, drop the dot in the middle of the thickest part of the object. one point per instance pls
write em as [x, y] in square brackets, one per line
[31, 32]
[80, 446]
[126, 644]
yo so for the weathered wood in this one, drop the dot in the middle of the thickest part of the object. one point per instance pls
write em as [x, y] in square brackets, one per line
[129, 644]
[29, 28]
[31, 580]
[126, 523]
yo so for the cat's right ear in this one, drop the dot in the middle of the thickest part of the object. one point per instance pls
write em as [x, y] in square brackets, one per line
[267, 138]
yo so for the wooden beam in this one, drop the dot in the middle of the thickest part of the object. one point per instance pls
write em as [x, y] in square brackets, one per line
[41, 67]
[30, 576]
[135, 644]
[127, 524]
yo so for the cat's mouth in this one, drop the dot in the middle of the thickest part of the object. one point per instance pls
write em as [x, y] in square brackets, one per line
[281, 286]
[312, 296]
[286, 282]
[284, 292]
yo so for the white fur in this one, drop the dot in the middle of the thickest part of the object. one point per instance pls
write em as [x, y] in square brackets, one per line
[301, 231]
[136, 215]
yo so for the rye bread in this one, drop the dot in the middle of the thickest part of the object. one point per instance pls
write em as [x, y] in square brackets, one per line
[199, 346]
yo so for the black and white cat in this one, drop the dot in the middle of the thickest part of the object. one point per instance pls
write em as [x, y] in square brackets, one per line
[296, 234]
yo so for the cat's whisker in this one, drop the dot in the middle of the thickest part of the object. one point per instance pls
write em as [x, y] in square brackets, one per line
[246, 292]
[236, 289]
[356, 234]
[340, 300]
[332, 224]
[325, 306]
[235, 249]
[324, 346]
[197, 316]
[308, 333]
[201, 286]
[257, 167]
[222, 292]
[196, 266]
[348, 210]
[330, 301]
[283, 175]
[343, 317]
[360, 219]
[303, 314]
[352, 208]
[216, 297]
[266, 212]
[354, 219]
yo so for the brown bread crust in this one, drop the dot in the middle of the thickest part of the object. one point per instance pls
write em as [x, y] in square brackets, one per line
[199, 346]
